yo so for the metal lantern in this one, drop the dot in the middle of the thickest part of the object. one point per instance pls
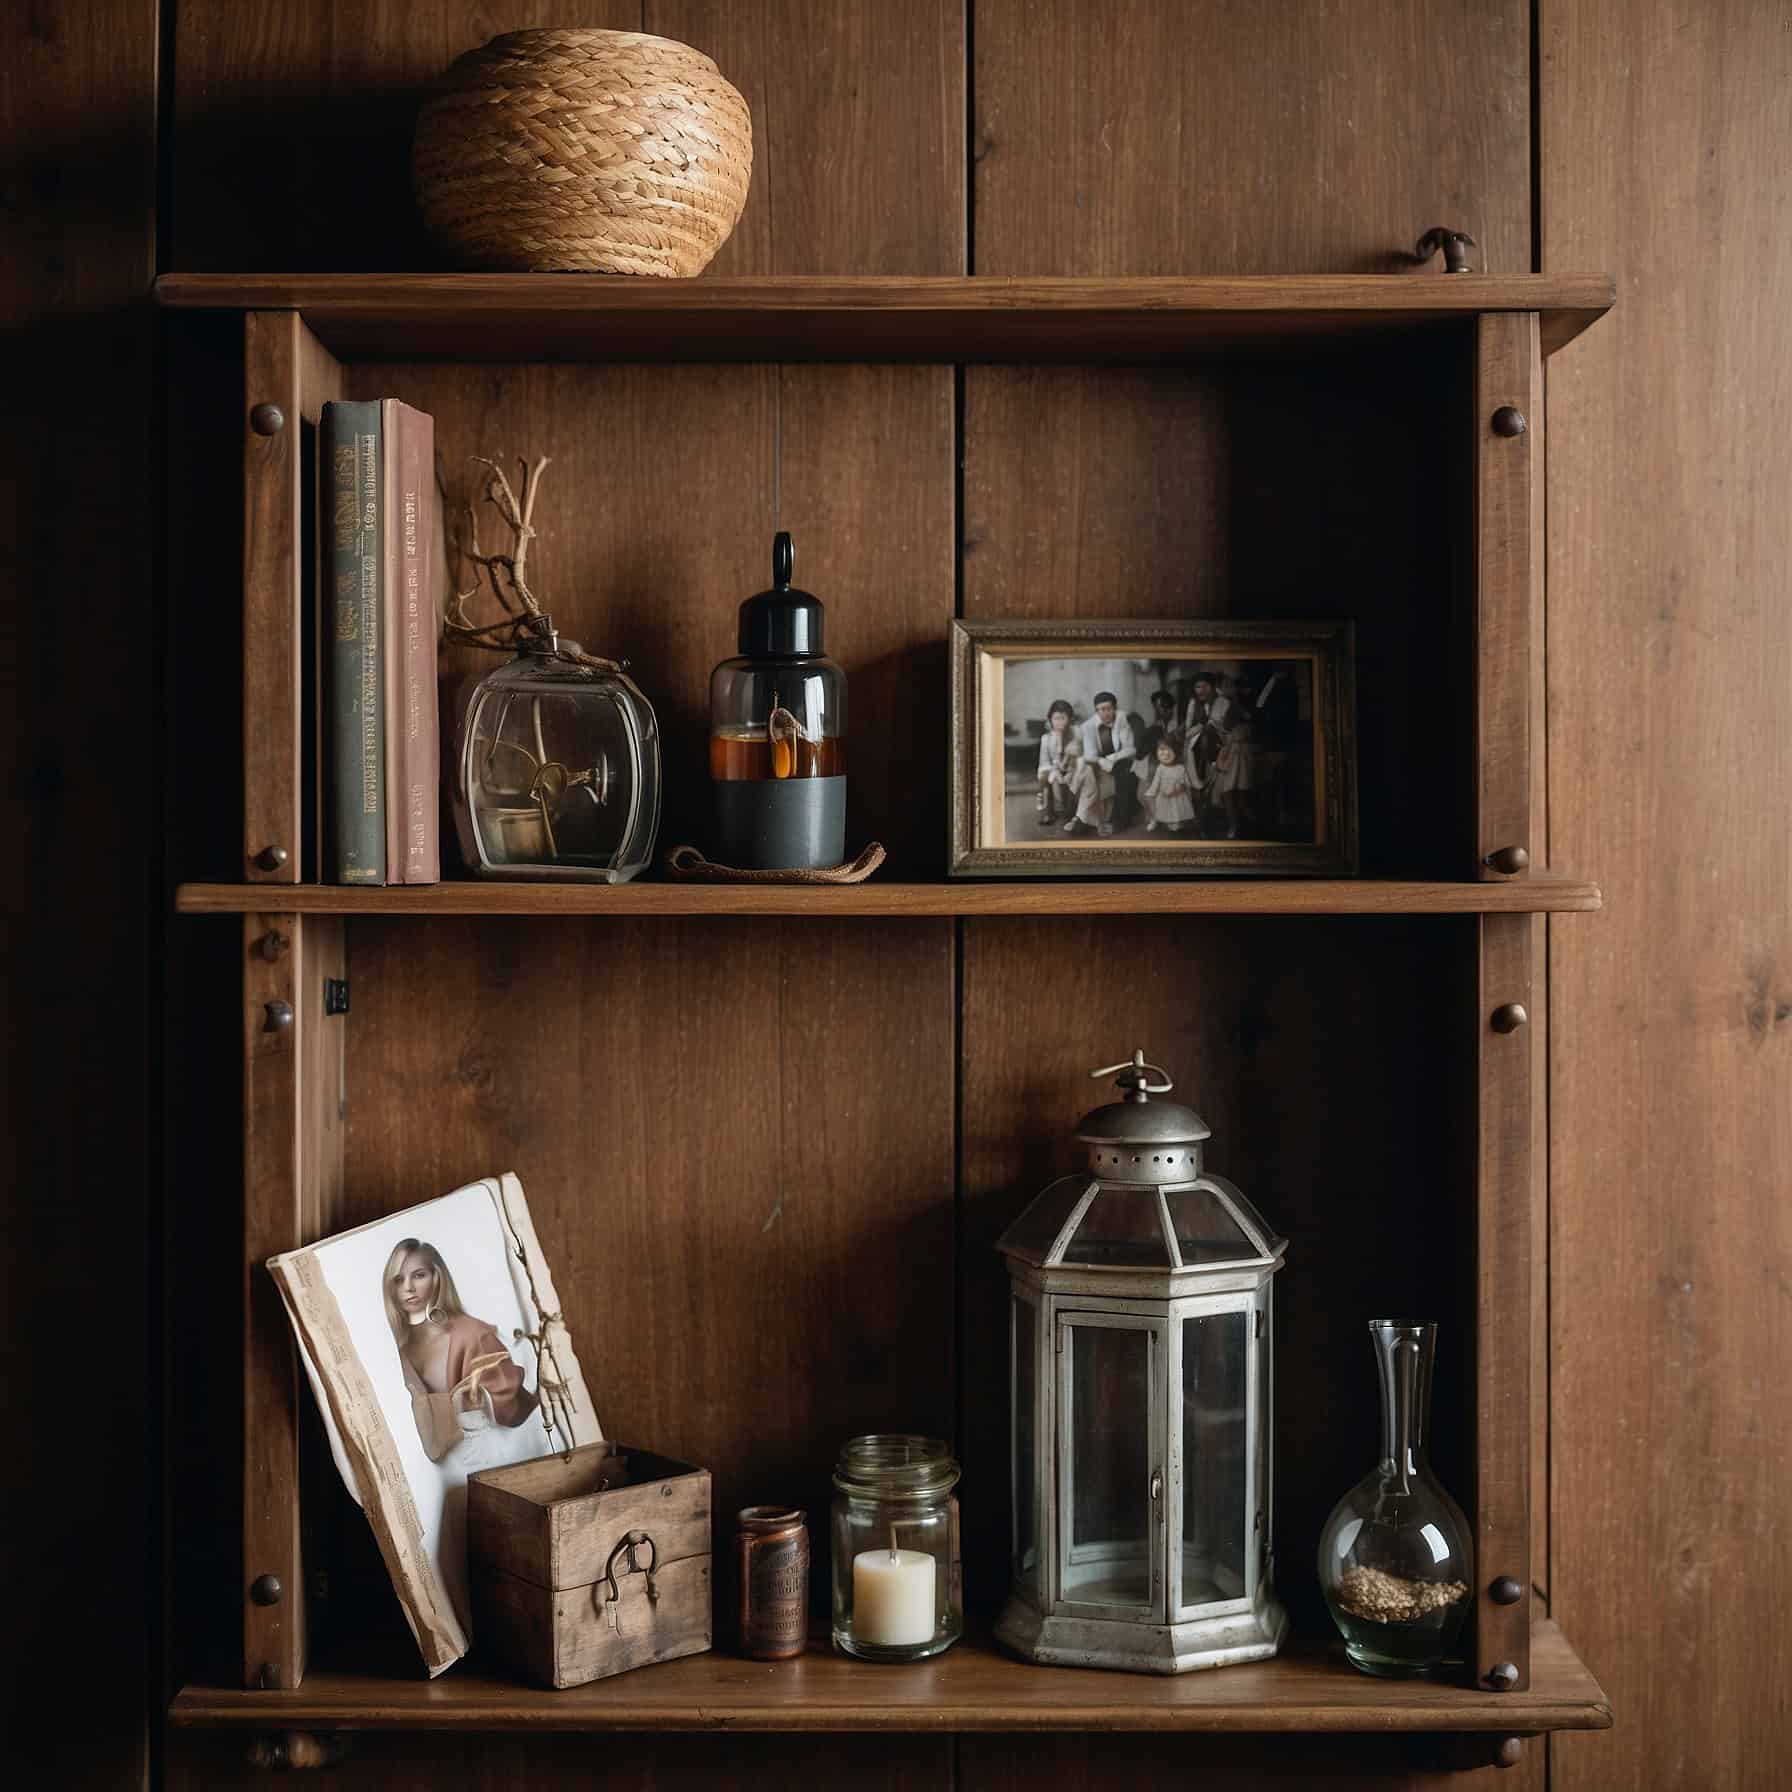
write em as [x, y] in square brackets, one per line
[1141, 1381]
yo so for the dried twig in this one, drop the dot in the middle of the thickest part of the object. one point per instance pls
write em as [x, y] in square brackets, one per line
[504, 572]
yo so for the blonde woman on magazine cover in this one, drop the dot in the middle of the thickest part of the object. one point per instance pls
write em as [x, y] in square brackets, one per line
[462, 1381]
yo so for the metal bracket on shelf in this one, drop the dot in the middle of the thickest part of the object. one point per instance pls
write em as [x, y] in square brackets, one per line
[1455, 245]
[335, 995]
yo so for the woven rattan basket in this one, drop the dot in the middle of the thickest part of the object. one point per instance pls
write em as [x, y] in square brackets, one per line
[605, 151]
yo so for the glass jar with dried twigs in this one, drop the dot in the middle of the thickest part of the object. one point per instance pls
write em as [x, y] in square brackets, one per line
[556, 757]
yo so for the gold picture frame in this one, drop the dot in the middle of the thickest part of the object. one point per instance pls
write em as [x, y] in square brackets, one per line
[1260, 780]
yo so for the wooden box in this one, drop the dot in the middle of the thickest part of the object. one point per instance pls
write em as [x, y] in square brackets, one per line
[588, 1565]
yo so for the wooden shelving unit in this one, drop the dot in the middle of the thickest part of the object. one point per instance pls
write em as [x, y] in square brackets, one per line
[975, 1686]
[1482, 340]
[1541, 895]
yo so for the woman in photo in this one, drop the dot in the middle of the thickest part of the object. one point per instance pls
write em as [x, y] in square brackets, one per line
[1234, 771]
[461, 1379]
[1057, 751]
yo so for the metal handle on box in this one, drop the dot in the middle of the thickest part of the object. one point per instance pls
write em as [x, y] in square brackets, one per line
[629, 1544]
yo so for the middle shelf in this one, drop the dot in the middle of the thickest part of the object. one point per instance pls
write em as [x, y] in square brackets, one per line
[1536, 894]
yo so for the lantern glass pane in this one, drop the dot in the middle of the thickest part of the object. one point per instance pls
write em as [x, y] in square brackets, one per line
[1214, 1436]
[1123, 1229]
[1205, 1231]
[1026, 1392]
[1109, 1534]
[1037, 1229]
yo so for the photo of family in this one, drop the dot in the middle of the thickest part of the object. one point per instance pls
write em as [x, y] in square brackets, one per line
[1084, 748]
[1156, 751]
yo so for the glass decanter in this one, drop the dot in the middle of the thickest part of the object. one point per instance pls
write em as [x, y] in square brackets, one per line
[1394, 1557]
[557, 766]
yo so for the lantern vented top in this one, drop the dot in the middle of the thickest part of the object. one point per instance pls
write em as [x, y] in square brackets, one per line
[1135, 1119]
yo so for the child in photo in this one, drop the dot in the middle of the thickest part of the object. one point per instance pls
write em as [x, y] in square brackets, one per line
[1058, 749]
[1165, 793]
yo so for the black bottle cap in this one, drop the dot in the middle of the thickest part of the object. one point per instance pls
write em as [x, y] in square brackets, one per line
[781, 623]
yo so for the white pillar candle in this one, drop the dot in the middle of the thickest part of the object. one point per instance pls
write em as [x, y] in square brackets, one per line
[893, 1597]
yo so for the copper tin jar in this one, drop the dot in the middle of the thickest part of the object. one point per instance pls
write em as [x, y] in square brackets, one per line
[772, 1556]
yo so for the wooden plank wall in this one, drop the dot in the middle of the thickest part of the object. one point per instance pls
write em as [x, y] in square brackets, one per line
[78, 665]
[1118, 136]
[1667, 158]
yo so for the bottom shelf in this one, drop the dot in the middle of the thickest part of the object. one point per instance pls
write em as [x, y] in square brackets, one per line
[974, 1687]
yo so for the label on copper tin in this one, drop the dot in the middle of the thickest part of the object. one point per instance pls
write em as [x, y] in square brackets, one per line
[774, 1611]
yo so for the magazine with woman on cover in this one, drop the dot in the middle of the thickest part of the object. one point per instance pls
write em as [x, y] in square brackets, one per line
[434, 1345]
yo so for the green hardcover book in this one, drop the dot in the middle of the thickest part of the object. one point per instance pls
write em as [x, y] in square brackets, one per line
[351, 446]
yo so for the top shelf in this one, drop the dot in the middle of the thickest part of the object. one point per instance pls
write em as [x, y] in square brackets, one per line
[577, 317]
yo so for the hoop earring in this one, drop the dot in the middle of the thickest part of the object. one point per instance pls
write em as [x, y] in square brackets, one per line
[432, 1312]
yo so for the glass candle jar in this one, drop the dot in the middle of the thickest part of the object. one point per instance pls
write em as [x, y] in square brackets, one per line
[898, 1590]
[777, 727]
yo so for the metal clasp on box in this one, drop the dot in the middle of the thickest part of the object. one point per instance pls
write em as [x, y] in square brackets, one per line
[612, 1600]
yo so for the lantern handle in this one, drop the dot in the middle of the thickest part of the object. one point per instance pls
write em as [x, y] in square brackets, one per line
[1133, 1078]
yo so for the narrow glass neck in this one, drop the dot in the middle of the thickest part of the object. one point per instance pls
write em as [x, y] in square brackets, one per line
[1403, 1354]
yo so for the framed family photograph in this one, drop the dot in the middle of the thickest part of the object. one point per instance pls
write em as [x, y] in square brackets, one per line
[1102, 748]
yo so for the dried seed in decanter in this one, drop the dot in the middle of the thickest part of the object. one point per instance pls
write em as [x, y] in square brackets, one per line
[1384, 1598]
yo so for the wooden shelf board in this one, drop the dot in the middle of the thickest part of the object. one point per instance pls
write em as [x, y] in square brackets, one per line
[1537, 894]
[975, 1686]
[547, 317]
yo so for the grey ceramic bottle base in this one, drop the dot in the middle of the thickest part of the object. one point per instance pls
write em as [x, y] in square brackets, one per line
[779, 824]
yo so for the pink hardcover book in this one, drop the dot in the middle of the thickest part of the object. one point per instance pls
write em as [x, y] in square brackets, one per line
[413, 558]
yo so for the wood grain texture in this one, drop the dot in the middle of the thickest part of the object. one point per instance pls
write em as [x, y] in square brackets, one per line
[1252, 491]
[1168, 137]
[560, 1640]
[283, 116]
[78, 970]
[1664, 136]
[875, 317]
[274, 649]
[724, 1137]
[1039, 897]
[1508, 576]
[1508, 539]
[292, 123]
[292, 1177]
[975, 1686]
[473, 1762]
[1502, 1301]
[858, 130]
[1233, 1764]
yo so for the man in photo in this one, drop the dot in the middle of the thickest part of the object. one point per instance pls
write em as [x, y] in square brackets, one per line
[1204, 733]
[1163, 722]
[1108, 751]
